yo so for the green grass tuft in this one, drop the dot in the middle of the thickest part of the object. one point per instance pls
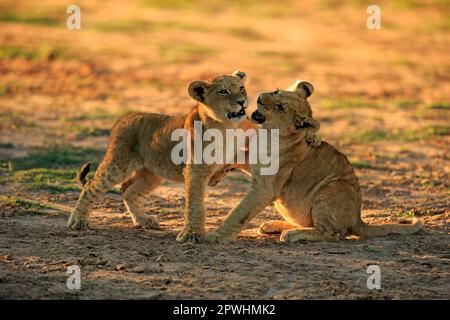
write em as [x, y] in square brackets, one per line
[22, 206]
[57, 157]
[44, 52]
[362, 165]
[14, 120]
[367, 136]
[29, 19]
[124, 26]
[407, 104]
[350, 103]
[406, 214]
[83, 132]
[7, 145]
[439, 105]
[166, 4]
[246, 33]
[52, 180]
[51, 169]
[185, 53]
[4, 89]
[270, 8]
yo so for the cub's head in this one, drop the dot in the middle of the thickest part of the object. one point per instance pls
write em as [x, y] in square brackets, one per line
[224, 97]
[288, 111]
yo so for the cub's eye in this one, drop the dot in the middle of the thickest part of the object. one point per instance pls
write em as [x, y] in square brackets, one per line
[242, 88]
[223, 92]
[279, 107]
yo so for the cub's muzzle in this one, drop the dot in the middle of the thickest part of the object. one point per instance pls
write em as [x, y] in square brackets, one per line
[234, 114]
[258, 117]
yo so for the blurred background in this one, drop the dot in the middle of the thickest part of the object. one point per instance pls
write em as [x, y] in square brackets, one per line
[130, 51]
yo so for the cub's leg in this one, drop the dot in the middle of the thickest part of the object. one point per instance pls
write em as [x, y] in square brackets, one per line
[254, 201]
[220, 175]
[335, 209]
[134, 191]
[196, 178]
[107, 175]
[275, 226]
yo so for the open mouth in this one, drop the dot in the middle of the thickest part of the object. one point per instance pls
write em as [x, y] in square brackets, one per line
[258, 117]
[234, 115]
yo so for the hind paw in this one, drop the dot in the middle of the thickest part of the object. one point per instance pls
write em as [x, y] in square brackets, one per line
[215, 237]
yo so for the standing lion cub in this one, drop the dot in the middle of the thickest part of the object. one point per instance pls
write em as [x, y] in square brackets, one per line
[315, 190]
[139, 155]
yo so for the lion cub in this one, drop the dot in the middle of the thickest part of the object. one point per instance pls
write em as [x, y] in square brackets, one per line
[139, 155]
[315, 190]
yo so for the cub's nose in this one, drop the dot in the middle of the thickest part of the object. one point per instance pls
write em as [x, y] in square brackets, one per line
[259, 100]
[241, 102]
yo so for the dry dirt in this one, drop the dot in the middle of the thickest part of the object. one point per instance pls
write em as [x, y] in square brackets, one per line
[382, 97]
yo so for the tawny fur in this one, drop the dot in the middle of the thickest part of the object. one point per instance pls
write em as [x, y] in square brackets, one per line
[316, 189]
[138, 156]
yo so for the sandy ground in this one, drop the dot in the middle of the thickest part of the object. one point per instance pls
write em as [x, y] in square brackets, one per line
[381, 96]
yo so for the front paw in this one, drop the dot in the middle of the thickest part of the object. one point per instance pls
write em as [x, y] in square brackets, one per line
[314, 140]
[78, 222]
[215, 237]
[189, 235]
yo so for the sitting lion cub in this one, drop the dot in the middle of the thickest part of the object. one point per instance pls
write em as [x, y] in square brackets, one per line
[315, 189]
[139, 155]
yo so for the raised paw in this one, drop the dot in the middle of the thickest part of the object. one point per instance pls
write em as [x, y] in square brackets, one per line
[314, 140]
[78, 222]
[188, 235]
[147, 221]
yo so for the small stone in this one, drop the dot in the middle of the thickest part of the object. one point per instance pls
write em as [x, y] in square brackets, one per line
[101, 262]
[155, 268]
[140, 268]
[88, 261]
[120, 267]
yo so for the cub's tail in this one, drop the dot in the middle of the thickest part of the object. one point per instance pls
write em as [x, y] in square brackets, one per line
[378, 230]
[82, 174]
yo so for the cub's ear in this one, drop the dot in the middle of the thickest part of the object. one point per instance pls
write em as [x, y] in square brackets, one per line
[302, 122]
[197, 90]
[304, 89]
[240, 74]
